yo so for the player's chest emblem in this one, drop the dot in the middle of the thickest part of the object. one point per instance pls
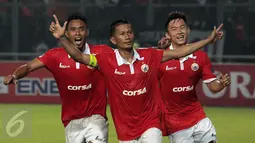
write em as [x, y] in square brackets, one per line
[194, 66]
[145, 68]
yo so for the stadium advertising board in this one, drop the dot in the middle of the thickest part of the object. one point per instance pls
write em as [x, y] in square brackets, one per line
[241, 91]
[37, 87]
[40, 87]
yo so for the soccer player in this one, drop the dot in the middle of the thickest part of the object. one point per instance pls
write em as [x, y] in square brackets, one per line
[184, 116]
[132, 80]
[82, 88]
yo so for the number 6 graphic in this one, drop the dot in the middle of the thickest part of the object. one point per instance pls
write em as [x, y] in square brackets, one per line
[14, 121]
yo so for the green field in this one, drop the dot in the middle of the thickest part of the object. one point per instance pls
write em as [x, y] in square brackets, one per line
[233, 125]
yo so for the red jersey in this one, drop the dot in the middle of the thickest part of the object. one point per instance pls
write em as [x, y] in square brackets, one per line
[133, 91]
[82, 88]
[178, 80]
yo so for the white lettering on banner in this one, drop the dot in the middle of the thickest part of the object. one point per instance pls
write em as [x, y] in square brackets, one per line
[134, 93]
[181, 89]
[235, 86]
[242, 86]
[34, 86]
[3, 88]
[81, 87]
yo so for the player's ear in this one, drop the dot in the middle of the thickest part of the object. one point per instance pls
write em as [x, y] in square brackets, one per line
[88, 32]
[112, 39]
[188, 30]
[66, 34]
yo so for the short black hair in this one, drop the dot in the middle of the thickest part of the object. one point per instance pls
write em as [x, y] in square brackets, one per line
[175, 15]
[76, 16]
[115, 23]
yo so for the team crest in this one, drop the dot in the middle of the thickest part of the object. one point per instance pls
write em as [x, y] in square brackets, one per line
[145, 68]
[194, 66]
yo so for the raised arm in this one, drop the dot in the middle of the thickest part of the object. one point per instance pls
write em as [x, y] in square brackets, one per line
[76, 54]
[191, 48]
[59, 33]
[23, 70]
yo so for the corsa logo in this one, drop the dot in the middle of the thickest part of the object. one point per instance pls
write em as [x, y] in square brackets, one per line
[134, 93]
[181, 89]
[81, 87]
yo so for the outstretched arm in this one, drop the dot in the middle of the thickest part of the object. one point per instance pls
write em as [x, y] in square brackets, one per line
[185, 50]
[58, 32]
[191, 48]
[23, 70]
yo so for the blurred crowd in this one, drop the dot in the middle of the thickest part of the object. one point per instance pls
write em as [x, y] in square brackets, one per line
[34, 17]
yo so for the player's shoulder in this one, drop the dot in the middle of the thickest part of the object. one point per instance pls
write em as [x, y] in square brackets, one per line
[200, 53]
[148, 50]
[101, 48]
[145, 49]
[56, 49]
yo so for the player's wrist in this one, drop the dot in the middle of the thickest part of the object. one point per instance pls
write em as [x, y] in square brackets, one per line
[14, 76]
[209, 39]
[62, 37]
[222, 84]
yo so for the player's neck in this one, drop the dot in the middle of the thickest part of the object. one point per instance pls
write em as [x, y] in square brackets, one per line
[127, 54]
[175, 46]
[82, 49]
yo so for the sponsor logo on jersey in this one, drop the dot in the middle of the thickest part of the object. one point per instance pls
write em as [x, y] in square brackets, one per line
[79, 87]
[181, 89]
[170, 68]
[63, 66]
[118, 72]
[134, 93]
[194, 66]
[145, 68]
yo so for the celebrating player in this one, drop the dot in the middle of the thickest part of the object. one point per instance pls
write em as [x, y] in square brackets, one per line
[132, 80]
[184, 116]
[82, 88]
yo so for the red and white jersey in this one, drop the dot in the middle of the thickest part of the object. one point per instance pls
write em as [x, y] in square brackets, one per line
[81, 88]
[133, 91]
[178, 80]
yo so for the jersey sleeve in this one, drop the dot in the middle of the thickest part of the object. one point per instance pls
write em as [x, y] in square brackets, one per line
[207, 70]
[103, 49]
[157, 55]
[47, 58]
[102, 62]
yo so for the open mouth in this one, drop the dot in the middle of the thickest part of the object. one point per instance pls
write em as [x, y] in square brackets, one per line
[78, 41]
[128, 43]
[181, 37]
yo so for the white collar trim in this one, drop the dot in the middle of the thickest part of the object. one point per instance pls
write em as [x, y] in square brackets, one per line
[122, 61]
[86, 51]
[184, 58]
